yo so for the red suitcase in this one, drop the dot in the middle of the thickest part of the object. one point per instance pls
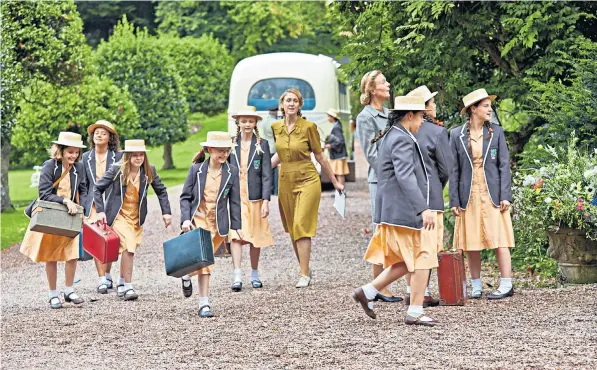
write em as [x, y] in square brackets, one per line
[101, 242]
[451, 278]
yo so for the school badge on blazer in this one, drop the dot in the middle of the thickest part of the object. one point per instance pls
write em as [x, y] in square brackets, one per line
[493, 153]
[257, 164]
[226, 191]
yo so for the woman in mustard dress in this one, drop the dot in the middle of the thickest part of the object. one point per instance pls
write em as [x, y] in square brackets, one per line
[481, 192]
[125, 208]
[62, 180]
[105, 151]
[252, 157]
[299, 189]
[210, 199]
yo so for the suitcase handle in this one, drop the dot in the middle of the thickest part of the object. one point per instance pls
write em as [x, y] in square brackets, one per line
[102, 226]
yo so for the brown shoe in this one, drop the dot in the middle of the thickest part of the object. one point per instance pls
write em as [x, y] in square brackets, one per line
[359, 296]
[410, 320]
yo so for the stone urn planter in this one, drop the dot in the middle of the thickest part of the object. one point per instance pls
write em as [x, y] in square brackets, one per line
[576, 255]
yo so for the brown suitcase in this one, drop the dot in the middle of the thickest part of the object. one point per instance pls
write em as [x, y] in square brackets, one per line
[451, 278]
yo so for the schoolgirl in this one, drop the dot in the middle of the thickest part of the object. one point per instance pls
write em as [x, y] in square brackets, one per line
[401, 212]
[481, 192]
[62, 180]
[336, 146]
[105, 151]
[210, 200]
[433, 141]
[252, 157]
[125, 187]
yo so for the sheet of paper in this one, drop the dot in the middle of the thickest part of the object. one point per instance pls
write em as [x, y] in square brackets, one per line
[340, 204]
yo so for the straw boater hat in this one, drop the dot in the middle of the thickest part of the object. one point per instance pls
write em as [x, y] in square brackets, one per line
[70, 139]
[474, 97]
[424, 92]
[103, 124]
[248, 111]
[409, 103]
[333, 113]
[218, 139]
[136, 145]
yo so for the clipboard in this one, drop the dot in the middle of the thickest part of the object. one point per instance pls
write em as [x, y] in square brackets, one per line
[340, 203]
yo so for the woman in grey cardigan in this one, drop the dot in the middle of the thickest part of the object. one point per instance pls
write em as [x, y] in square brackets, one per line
[402, 212]
[435, 146]
[480, 192]
[375, 90]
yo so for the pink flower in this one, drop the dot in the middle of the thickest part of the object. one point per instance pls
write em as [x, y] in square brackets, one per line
[579, 206]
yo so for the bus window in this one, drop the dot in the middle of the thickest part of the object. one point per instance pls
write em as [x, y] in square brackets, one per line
[265, 94]
[343, 97]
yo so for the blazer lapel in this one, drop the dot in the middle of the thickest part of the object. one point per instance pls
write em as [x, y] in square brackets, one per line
[202, 178]
[486, 142]
[225, 172]
[74, 175]
[91, 164]
[252, 151]
[236, 153]
[110, 159]
[464, 140]
[142, 184]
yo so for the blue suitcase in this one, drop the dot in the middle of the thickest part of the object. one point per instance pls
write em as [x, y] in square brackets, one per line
[188, 252]
[83, 255]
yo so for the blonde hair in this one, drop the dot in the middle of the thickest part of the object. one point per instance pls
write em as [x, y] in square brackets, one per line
[126, 168]
[298, 95]
[368, 86]
[57, 152]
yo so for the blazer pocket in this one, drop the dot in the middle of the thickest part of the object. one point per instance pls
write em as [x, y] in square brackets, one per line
[493, 153]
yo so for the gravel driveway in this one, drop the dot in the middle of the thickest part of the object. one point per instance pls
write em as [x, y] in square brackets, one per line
[279, 326]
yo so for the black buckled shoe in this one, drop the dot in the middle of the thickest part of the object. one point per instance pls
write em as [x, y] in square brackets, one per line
[496, 294]
[102, 288]
[76, 299]
[130, 295]
[187, 291]
[256, 284]
[390, 299]
[205, 311]
[110, 284]
[237, 286]
[55, 303]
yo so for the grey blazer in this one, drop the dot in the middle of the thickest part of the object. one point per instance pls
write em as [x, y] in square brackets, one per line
[229, 196]
[337, 142]
[496, 165]
[402, 191]
[259, 170]
[50, 172]
[435, 146]
[369, 122]
[111, 183]
[90, 173]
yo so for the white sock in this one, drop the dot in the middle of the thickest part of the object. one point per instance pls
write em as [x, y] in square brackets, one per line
[121, 281]
[203, 301]
[370, 291]
[108, 276]
[186, 278]
[477, 285]
[415, 311]
[505, 285]
[68, 290]
[408, 289]
[128, 286]
[427, 292]
[255, 275]
[238, 275]
[103, 280]
[53, 293]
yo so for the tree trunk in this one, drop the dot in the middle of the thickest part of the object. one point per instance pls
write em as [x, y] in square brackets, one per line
[5, 197]
[168, 162]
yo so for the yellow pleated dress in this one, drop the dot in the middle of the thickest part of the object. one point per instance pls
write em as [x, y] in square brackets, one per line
[100, 170]
[255, 229]
[299, 189]
[482, 225]
[205, 217]
[41, 247]
[340, 166]
[126, 224]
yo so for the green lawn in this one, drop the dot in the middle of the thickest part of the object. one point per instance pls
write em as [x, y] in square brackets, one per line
[14, 224]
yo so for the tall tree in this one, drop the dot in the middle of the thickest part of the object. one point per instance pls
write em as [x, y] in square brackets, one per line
[136, 61]
[40, 40]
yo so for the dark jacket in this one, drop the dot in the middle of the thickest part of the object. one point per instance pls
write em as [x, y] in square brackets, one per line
[496, 165]
[228, 214]
[402, 192]
[435, 146]
[88, 162]
[111, 184]
[259, 169]
[50, 172]
[337, 142]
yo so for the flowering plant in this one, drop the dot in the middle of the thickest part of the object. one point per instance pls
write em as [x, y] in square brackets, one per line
[560, 192]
